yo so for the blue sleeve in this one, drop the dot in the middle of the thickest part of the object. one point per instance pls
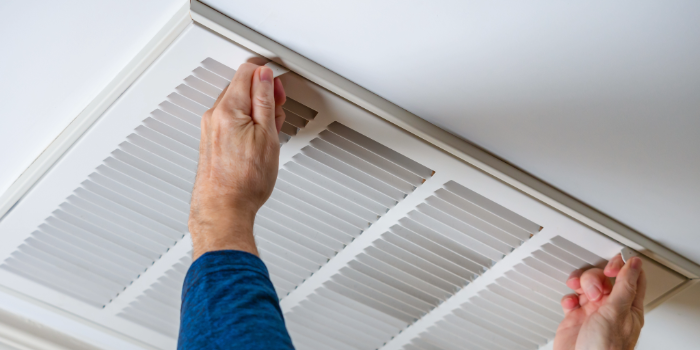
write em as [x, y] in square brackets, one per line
[228, 302]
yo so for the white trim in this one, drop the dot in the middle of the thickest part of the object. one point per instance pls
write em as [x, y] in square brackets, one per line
[94, 110]
[461, 149]
[55, 318]
[670, 294]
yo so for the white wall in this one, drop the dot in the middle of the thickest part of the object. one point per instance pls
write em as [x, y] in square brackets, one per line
[56, 56]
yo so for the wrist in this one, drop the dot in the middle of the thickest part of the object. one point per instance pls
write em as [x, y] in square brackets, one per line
[220, 229]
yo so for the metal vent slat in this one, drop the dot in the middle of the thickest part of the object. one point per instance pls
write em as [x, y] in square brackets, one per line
[519, 310]
[329, 184]
[138, 186]
[333, 241]
[168, 143]
[422, 261]
[381, 150]
[181, 113]
[203, 86]
[211, 77]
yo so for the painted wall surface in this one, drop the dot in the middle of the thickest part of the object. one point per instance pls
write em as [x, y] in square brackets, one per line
[56, 56]
[599, 98]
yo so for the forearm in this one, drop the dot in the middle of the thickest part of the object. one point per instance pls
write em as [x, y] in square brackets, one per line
[228, 302]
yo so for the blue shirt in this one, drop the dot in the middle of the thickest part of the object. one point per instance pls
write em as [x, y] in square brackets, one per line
[228, 302]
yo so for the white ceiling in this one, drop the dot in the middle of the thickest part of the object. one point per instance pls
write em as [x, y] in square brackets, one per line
[599, 98]
[56, 56]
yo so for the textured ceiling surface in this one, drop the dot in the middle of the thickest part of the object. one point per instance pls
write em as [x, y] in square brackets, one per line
[600, 99]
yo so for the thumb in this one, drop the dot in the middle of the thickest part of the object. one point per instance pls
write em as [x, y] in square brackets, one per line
[263, 99]
[629, 286]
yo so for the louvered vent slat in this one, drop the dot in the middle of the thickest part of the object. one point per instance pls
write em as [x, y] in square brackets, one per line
[380, 150]
[147, 179]
[168, 143]
[211, 77]
[158, 308]
[187, 104]
[317, 208]
[202, 86]
[196, 96]
[181, 113]
[435, 251]
[519, 310]
[295, 120]
[344, 180]
[148, 191]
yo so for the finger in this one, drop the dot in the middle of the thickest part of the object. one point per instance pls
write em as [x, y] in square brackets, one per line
[279, 118]
[574, 281]
[627, 285]
[263, 99]
[582, 300]
[641, 287]
[221, 96]
[280, 99]
[614, 266]
[593, 284]
[569, 303]
[237, 95]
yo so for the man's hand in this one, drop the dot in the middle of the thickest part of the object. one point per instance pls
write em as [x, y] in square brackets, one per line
[238, 161]
[600, 315]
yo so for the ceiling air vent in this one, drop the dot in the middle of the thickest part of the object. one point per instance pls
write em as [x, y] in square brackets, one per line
[428, 256]
[325, 197]
[374, 238]
[134, 207]
[519, 310]
[158, 308]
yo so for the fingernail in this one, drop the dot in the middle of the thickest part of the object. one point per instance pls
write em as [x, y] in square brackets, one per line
[592, 292]
[636, 263]
[266, 74]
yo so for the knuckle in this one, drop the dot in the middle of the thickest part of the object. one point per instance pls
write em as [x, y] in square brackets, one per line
[263, 102]
[207, 115]
[248, 65]
[629, 289]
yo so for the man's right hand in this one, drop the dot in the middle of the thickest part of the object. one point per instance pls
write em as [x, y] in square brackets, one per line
[238, 160]
[600, 315]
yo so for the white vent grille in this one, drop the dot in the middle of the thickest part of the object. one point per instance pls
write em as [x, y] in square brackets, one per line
[325, 197]
[443, 245]
[367, 248]
[158, 308]
[134, 207]
[520, 310]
